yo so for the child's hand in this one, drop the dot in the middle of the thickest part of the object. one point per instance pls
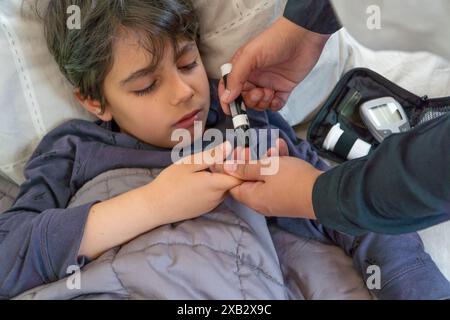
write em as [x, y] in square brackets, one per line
[182, 191]
[280, 150]
[187, 189]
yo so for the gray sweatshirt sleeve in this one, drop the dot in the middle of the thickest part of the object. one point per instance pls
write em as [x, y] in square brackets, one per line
[39, 238]
[403, 186]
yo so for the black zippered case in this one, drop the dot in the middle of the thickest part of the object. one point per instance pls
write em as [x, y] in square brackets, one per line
[356, 87]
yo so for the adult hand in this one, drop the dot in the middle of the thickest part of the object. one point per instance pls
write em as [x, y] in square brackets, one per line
[270, 66]
[288, 193]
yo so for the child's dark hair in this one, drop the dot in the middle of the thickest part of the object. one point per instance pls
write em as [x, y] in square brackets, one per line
[85, 55]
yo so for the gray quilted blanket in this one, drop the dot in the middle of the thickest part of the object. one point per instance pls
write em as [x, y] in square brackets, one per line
[230, 253]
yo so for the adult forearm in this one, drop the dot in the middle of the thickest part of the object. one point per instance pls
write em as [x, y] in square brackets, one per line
[403, 186]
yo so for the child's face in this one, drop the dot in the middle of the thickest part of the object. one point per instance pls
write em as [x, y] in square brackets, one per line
[149, 104]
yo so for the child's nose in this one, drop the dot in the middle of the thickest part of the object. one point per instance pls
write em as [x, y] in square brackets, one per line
[182, 91]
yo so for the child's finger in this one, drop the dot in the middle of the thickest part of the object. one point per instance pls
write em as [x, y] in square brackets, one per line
[204, 160]
[282, 147]
[246, 155]
[237, 153]
[280, 150]
[242, 154]
[272, 152]
[222, 182]
[248, 193]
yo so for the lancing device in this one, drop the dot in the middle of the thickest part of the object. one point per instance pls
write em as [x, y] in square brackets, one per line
[238, 110]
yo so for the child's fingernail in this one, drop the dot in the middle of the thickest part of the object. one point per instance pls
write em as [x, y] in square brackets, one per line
[230, 167]
[245, 154]
[226, 147]
[225, 96]
[238, 153]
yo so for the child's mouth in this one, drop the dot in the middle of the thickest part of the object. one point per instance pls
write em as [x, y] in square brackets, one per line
[188, 121]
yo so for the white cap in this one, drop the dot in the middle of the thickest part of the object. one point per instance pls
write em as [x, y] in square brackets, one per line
[359, 149]
[333, 137]
[226, 69]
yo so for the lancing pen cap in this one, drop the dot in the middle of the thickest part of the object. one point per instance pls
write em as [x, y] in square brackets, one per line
[238, 110]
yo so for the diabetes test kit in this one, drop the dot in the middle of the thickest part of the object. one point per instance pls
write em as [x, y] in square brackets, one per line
[364, 109]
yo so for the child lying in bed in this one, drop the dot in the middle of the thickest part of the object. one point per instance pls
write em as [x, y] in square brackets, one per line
[136, 66]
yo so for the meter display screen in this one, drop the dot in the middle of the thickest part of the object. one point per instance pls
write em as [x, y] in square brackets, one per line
[385, 114]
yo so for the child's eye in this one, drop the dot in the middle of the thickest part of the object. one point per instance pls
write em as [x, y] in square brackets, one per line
[190, 66]
[145, 91]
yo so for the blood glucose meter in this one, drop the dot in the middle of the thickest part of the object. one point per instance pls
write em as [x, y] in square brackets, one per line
[383, 117]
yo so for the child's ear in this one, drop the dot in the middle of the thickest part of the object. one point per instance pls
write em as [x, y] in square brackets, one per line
[93, 106]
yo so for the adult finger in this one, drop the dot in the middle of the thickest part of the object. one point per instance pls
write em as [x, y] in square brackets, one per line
[247, 171]
[243, 63]
[225, 106]
[249, 194]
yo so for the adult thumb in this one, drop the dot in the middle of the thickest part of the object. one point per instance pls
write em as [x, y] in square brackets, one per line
[242, 65]
[246, 172]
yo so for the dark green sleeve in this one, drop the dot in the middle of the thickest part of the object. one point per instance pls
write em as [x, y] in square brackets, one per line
[403, 186]
[315, 15]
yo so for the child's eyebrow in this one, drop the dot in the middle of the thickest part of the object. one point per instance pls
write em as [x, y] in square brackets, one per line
[139, 74]
[185, 49]
[150, 69]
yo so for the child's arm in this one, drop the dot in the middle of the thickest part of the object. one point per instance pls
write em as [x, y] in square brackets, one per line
[180, 192]
[40, 238]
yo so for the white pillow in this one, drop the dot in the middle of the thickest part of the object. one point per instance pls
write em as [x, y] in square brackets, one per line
[413, 25]
[227, 25]
[35, 98]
